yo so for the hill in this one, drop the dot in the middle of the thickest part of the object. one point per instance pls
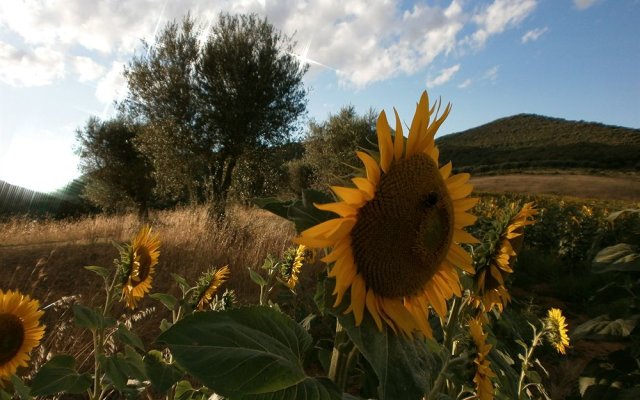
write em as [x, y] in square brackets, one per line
[527, 141]
[16, 200]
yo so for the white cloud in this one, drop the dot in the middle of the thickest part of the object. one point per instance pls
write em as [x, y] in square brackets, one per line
[370, 41]
[362, 41]
[465, 84]
[534, 34]
[87, 69]
[584, 4]
[112, 86]
[37, 68]
[444, 76]
[498, 16]
[491, 74]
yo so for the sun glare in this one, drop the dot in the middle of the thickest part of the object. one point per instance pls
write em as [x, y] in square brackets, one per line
[43, 164]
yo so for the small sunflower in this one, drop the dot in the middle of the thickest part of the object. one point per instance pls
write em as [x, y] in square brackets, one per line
[143, 257]
[490, 279]
[395, 243]
[482, 378]
[20, 331]
[556, 329]
[210, 284]
[296, 266]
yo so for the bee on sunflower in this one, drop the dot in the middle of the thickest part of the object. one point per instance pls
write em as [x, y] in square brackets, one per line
[20, 331]
[494, 259]
[396, 239]
[138, 266]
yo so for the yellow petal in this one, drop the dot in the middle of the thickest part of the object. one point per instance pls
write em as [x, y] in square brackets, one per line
[460, 192]
[418, 125]
[340, 208]
[434, 153]
[460, 258]
[465, 204]
[358, 298]
[461, 236]
[400, 315]
[365, 186]
[445, 170]
[372, 306]
[350, 195]
[371, 166]
[398, 143]
[462, 219]
[322, 230]
[384, 142]
[339, 251]
[457, 180]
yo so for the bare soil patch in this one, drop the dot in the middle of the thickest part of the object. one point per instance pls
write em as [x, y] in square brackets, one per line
[615, 187]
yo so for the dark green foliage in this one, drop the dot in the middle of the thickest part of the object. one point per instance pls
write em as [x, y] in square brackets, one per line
[265, 172]
[117, 174]
[213, 106]
[330, 146]
[531, 141]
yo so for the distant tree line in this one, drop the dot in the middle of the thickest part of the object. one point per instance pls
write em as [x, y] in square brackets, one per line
[211, 115]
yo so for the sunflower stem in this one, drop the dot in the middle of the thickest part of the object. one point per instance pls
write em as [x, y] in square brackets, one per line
[525, 362]
[342, 356]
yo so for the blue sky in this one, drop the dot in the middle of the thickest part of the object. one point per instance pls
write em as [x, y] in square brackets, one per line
[61, 62]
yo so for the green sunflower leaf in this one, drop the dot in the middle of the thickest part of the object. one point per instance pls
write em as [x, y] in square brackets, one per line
[166, 299]
[23, 391]
[161, 374]
[102, 271]
[127, 337]
[621, 257]
[59, 375]
[91, 319]
[256, 278]
[249, 353]
[402, 365]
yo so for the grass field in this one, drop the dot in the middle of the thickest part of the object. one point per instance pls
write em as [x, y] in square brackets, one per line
[46, 258]
[607, 187]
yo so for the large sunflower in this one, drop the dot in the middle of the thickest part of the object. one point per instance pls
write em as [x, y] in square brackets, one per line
[490, 279]
[20, 331]
[143, 257]
[482, 378]
[394, 244]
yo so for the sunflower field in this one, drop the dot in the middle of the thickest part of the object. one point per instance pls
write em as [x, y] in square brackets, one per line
[401, 284]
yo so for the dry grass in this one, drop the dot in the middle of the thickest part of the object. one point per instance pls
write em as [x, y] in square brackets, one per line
[46, 258]
[616, 187]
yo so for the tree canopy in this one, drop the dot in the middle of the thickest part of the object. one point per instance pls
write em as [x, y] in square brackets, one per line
[117, 174]
[209, 102]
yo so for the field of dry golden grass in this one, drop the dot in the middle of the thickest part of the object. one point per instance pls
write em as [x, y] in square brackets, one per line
[46, 258]
[611, 187]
